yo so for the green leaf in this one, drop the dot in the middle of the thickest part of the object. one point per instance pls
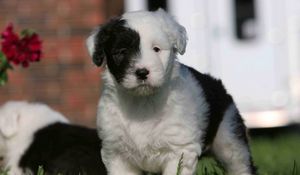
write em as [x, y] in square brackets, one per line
[2, 58]
[3, 78]
[1, 54]
[41, 171]
[3, 61]
[27, 32]
[4, 65]
[294, 170]
[4, 171]
[179, 166]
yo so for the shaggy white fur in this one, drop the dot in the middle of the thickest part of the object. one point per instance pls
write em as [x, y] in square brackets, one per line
[147, 125]
[18, 123]
[151, 132]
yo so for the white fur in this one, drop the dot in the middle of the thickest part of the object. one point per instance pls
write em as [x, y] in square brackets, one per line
[165, 24]
[172, 37]
[145, 129]
[18, 123]
[151, 133]
[149, 125]
[90, 41]
[228, 149]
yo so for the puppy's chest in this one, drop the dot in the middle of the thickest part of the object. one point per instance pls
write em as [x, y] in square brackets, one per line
[145, 145]
[152, 132]
[141, 136]
[155, 136]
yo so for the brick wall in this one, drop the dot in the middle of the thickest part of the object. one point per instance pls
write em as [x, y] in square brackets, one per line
[65, 79]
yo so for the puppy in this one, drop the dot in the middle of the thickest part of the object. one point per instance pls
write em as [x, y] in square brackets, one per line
[33, 135]
[154, 109]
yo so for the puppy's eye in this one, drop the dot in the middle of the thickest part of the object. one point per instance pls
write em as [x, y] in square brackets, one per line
[118, 55]
[156, 49]
[121, 52]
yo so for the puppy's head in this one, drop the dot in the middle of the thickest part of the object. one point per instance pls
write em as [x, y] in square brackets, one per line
[139, 49]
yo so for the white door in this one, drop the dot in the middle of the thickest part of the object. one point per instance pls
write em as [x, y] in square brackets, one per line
[254, 68]
[250, 55]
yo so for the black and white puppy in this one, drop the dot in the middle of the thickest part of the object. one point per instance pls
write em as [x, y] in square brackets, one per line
[153, 109]
[33, 135]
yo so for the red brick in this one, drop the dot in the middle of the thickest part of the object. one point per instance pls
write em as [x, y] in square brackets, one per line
[65, 78]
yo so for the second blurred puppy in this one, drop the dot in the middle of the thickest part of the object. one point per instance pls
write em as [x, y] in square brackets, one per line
[33, 135]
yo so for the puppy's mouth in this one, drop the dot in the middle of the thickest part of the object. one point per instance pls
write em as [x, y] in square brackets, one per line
[143, 89]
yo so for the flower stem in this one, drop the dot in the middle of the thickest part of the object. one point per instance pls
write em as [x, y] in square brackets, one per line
[4, 66]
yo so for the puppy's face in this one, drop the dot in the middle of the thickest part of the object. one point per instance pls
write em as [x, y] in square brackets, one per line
[139, 49]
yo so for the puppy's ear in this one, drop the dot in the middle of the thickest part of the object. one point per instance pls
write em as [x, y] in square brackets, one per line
[175, 31]
[9, 124]
[97, 41]
[95, 46]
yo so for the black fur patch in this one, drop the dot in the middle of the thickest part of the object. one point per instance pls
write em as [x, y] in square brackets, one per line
[119, 45]
[218, 100]
[66, 149]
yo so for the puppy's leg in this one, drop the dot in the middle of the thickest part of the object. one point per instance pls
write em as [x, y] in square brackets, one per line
[115, 164]
[18, 171]
[231, 145]
[119, 166]
[188, 166]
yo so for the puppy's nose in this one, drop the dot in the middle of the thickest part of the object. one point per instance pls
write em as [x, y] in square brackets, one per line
[142, 73]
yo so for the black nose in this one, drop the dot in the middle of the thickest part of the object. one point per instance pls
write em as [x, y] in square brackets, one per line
[142, 73]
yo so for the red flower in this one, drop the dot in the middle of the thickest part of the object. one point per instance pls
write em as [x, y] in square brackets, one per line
[20, 51]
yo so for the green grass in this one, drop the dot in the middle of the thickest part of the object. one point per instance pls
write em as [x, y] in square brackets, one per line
[40, 171]
[278, 155]
[179, 166]
[4, 172]
[208, 166]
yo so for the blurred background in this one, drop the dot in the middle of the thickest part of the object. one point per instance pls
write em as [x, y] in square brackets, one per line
[252, 45]
[65, 78]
